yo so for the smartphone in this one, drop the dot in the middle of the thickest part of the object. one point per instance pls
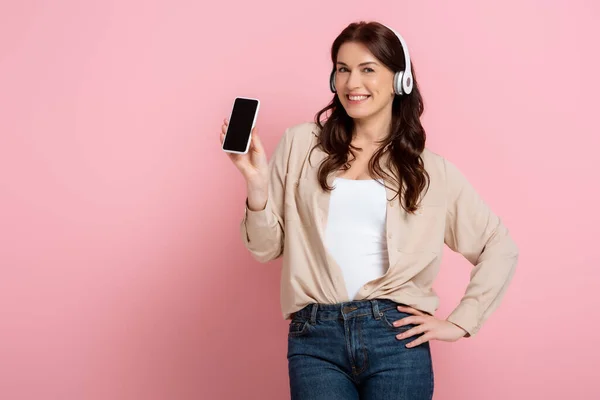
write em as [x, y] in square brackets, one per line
[241, 122]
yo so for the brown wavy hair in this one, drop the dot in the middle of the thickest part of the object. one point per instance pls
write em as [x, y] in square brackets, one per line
[406, 139]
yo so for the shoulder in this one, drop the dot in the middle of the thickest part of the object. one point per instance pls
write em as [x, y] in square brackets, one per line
[297, 137]
[294, 144]
[443, 171]
[303, 131]
[438, 163]
[434, 162]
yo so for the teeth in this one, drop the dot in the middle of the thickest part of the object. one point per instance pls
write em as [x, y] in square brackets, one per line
[357, 98]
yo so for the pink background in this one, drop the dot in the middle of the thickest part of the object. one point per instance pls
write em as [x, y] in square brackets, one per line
[123, 275]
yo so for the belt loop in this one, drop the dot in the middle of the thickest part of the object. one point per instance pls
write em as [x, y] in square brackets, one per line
[376, 313]
[313, 315]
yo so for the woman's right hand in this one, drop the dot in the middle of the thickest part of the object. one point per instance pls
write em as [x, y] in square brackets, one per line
[254, 168]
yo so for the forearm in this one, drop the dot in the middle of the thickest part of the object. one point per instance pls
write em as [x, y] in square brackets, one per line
[257, 197]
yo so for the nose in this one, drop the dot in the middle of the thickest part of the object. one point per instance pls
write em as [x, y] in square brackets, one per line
[353, 80]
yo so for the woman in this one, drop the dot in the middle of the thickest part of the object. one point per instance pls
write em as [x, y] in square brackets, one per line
[359, 209]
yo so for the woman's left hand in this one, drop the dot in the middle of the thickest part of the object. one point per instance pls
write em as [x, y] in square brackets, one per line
[430, 326]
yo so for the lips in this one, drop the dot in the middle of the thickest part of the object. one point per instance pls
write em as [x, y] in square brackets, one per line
[358, 97]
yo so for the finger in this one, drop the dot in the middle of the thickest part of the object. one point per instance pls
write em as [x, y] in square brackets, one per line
[420, 340]
[256, 142]
[222, 138]
[412, 332]
[410, 310]
[224, 129]
[234, 157]
[416, 319]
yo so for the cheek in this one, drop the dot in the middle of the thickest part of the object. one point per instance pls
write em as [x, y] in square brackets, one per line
[379, 86]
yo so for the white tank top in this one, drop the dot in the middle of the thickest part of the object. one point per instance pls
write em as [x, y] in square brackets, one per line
[355, 235]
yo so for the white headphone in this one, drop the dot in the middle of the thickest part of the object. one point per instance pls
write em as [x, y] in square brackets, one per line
[403, 80]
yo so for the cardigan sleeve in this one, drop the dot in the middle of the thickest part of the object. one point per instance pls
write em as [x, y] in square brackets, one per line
[473, 230]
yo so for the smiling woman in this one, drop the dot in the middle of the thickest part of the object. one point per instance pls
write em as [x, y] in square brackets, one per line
[360, 210]
[374, 80]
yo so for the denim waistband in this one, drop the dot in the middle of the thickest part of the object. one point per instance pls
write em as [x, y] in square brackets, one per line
[347, 310]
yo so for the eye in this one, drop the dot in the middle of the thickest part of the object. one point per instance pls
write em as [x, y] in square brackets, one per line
[342, 69]
[367, 69]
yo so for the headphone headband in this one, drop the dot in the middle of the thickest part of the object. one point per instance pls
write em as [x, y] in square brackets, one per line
[406, 78]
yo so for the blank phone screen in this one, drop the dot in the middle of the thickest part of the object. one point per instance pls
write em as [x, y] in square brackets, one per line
[240, 124]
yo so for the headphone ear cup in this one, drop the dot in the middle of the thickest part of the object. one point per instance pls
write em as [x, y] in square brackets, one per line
[332, 81]
[398, 83]
[407, 83]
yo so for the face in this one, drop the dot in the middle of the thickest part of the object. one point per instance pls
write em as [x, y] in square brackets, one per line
[364, 84]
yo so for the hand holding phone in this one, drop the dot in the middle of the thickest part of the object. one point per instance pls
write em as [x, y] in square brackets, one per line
[241, 123]
[240, 140]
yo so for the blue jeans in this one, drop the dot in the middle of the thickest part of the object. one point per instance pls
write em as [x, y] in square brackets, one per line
[350, 351]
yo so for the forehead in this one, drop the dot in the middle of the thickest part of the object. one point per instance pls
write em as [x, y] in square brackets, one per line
[354, 53]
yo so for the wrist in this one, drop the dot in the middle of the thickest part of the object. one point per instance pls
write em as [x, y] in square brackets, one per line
[462, 330]
[256, 199]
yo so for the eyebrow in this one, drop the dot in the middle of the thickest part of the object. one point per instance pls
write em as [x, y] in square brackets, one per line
[360, 65]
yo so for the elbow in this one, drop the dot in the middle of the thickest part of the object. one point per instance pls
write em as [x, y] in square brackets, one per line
[513, 249]
[264, 257]
[264, 251]
[499, 247]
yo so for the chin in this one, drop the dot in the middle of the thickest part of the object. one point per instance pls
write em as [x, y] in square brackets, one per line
[358, 114]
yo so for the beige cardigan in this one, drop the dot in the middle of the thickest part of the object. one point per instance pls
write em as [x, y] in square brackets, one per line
[293, 226]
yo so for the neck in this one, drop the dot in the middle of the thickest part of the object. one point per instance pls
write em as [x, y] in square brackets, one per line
[373, 130]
